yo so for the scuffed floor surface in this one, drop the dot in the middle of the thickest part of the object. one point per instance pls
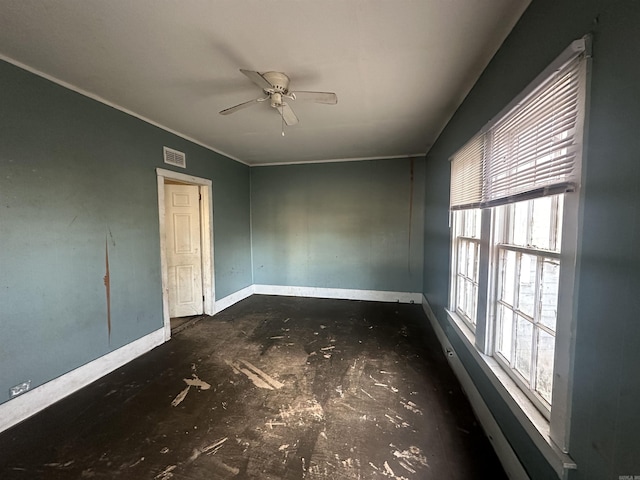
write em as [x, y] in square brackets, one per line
[271, 388]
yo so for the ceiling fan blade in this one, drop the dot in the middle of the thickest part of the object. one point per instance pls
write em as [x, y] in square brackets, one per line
[287, 114]
[329, 98]
[240, 106]
[256, 78]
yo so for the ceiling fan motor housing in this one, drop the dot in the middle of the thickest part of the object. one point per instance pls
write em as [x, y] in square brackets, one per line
[279, 81]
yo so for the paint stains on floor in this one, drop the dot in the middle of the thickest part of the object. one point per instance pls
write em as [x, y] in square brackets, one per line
[253, 373]
[271, 388]
[194, 381]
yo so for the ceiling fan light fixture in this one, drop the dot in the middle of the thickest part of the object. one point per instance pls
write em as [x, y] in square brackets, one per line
[276, 100]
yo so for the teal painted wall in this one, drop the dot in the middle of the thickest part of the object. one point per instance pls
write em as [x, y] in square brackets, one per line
[77, 177]
[605, 438]
[351, 225]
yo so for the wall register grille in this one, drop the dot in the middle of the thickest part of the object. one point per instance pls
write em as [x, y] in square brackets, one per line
[174, 157]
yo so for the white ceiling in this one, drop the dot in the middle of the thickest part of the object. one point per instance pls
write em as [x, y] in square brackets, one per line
[400, 68]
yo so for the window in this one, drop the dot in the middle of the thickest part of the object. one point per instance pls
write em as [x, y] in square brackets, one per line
[514, 208]
[466, 254]
[526, 300]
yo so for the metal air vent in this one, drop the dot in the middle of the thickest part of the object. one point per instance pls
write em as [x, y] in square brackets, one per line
[174, 157]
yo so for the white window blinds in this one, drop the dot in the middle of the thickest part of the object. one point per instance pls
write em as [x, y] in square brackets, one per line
[533, 150]
[466, 174]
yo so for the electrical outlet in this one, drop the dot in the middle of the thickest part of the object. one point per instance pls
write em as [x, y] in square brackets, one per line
[20, 388]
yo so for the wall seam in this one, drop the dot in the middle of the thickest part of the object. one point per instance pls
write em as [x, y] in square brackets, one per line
[251, 223]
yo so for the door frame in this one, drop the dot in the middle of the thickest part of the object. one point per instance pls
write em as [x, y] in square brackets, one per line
[205, 187]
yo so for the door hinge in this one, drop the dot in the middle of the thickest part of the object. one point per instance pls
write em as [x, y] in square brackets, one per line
[203, 298]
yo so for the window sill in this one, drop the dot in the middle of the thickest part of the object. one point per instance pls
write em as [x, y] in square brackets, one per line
[533, 422]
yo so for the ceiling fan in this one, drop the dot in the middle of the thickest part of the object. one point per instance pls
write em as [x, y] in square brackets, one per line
[275, 86]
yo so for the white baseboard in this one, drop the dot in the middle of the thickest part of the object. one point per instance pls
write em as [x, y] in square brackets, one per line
[339, 293]
[318, 292]
[20, 408]
[235, 297]
[508, 458]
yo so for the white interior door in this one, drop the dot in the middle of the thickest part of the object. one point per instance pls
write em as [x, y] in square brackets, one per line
[184, 252]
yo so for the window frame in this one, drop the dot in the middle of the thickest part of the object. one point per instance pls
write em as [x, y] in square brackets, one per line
[503, 219]
[552, 427]
[458, 219]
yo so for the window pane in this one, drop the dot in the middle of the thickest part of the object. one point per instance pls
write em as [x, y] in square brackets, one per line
[468, 309]
[471, 260]
[468, 223]
[476, 263]
[469, 226]
[462, 257]
[544, 366]
[471, 223]
[541, 223]
[520, 222]
[505, 331]
[558, 225]
[460, 294]
[508, 276]
[527, 284]
[549, 292]
[463, 222]
[524, 340]
[468, 298]
[477, 224]
[474, 305]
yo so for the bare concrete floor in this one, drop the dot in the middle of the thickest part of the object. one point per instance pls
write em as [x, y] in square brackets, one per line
[271, 388]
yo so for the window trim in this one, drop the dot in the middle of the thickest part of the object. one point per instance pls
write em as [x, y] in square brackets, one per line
[560, 421]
